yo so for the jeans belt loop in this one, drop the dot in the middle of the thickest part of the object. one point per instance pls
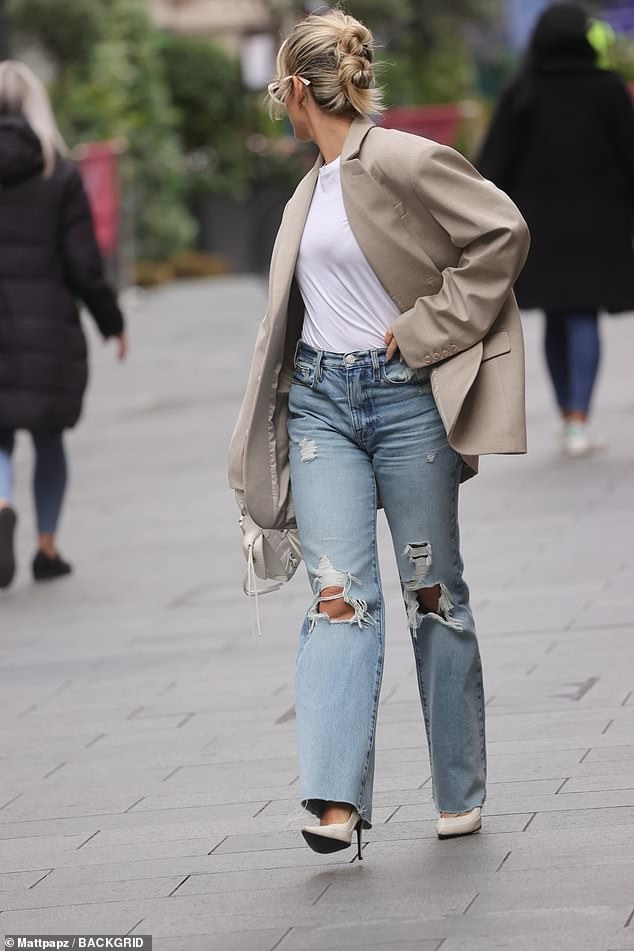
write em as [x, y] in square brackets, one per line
[376, 365]
[320, 354]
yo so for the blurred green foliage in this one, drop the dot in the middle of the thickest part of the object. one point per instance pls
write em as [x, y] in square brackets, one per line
[111, 84]
[224, 131]
[211, 109]
[205, 87]
[424, 56]
[67, 39]
[419, 24]
[444, 74]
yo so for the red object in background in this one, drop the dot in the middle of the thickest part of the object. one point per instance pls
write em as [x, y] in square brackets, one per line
[439, 123]
[97, 164]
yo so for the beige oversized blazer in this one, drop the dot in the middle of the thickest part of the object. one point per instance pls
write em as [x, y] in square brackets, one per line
[447, 246]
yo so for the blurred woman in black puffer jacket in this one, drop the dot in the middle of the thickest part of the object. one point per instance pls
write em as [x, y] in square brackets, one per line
[49, 259]
[561, 144]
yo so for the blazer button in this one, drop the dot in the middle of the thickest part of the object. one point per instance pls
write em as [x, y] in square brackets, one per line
[444, 353]
[427, 359]
[436, 355]
[453, 348]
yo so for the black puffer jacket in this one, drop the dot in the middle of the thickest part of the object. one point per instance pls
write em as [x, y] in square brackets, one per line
[567, 161]
[48, 258]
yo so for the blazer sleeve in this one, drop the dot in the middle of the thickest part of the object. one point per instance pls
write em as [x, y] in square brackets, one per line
[492, 238]
[83, 265]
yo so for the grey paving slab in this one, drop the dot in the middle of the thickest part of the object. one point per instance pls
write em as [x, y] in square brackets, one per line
[561, 940]
[547, 888]
[226, 810]
[416, 945]
[128, 869]
[619, 753]
[267, 859]
[148, 742]
[227, 941]
[578, 748]
[589, 783]
[73, 919]
[243, 910]
[546, 924]
[372, 933]
[48, 895]
[25, 807]
[12, 881]
[38, 846]
[614, 854]
[583, 818]
[35, 857]
[622, 940]
[201, 777]
[528, 724]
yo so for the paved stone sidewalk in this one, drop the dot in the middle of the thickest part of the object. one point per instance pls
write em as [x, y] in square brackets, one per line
[147, 758]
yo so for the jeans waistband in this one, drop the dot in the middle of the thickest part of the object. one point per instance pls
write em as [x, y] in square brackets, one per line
[355, 358]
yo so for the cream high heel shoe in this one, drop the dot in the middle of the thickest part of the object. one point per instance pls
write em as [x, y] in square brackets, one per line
[449, 826]
[336, 836]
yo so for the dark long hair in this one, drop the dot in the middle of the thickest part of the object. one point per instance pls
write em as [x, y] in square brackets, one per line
[559, 42]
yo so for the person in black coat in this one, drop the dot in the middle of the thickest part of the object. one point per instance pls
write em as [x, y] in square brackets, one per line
[49, 259]
[561, 144]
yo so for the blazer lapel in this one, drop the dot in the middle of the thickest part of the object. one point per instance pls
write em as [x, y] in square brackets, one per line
[356, 134]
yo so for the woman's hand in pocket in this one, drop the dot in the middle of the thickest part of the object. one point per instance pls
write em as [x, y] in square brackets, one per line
[390, 343]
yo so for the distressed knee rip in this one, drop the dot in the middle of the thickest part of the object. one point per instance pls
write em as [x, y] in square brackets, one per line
[307, 450]
[333, 600]
[423, 600]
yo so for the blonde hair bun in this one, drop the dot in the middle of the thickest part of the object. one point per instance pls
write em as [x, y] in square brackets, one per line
[335, 52]
[356, 71]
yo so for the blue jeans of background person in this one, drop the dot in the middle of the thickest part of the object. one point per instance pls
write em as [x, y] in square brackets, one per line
[49, 475]
[363, 430]
[572, 355]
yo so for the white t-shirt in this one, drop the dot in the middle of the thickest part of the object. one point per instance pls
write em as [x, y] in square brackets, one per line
[346, 306]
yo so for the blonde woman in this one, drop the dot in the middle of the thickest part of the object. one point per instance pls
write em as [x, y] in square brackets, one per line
[48, 260]
[390, 357]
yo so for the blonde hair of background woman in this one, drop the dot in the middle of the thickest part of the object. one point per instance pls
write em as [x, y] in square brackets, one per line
[21, 92]
[335, 53]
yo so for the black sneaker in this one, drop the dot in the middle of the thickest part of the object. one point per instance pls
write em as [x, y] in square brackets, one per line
[45, 568]
[8, 518]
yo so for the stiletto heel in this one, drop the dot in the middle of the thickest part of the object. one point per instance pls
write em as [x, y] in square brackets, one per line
[336, 836]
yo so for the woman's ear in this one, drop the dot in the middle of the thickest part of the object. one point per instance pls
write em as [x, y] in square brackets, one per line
[299, 91]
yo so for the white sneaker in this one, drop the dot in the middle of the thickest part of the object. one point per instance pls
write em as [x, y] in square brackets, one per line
[577, 441]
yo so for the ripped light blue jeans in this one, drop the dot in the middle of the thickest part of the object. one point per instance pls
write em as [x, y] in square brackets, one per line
[364, 432]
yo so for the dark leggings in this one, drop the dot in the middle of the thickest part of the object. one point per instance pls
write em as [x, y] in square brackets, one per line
[572, 354]
[49, 475]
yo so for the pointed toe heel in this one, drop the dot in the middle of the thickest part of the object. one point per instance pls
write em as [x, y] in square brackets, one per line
[334, 837]
[448, 827]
